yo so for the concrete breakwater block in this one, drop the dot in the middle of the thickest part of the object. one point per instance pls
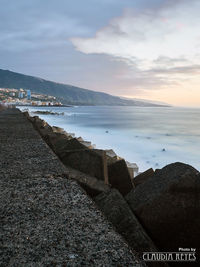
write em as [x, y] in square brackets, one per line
[93, 187]
[54, 140]
[93, 162]
[84, 160]
[57, 129]
[63, 144]
[116, 209]
[119, 177]
[168, 206]
[142, 177]
[62, 147]
[38, 123]
[60, 143]
[55, 136]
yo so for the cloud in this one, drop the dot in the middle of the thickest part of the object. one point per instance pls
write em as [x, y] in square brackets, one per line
[192, 69]
[28, 25]
[153, 43]
[123, 47]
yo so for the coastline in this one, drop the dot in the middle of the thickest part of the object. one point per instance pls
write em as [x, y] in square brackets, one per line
[45, 106]
[132, 166]
[66, 175]
[150, 137]
[108, 184]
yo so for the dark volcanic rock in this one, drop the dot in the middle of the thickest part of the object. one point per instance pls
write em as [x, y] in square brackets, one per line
[168, 206]
[142, 177]
[119, 177]
[116, 209]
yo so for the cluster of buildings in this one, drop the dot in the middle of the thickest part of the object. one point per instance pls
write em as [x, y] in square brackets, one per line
[24, 94]
[25, 97]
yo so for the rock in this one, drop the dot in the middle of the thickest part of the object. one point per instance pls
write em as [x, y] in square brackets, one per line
[84, 160]
[92, 190]
[168, 206]
[142, 177]
[57, 129]
[45, 112]
[132, 168]
[119, 176]
[26, 114]
[54, 136]
[116, 209]
[39, 123]
[92, 185]
[88, 144]
[61, 144]
[74, 144]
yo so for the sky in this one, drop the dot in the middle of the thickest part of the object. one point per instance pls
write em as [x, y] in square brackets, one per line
[148, 49]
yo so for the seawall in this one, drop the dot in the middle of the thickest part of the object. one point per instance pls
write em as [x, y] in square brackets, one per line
[151, 213]
[47, 219]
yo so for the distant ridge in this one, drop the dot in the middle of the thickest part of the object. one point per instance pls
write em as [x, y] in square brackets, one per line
[67, 94]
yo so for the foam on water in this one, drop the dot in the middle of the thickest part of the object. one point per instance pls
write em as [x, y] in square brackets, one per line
[150, 137]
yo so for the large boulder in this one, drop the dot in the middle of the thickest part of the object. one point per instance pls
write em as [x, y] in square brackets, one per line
[116, 209]
[119, 177]
[142, 177]
[168, 206]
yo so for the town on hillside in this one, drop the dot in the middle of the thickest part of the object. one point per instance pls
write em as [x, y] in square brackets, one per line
[22, 97]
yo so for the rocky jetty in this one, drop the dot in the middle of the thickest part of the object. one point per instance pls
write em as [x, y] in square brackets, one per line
[45, 112]
[117, 210]
[47, 219]
[93, 162]
[168, 206]
[157, 211]
[142, 177]
[119, 176]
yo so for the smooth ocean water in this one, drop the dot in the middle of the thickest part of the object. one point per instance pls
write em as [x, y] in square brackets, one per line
[136, 133]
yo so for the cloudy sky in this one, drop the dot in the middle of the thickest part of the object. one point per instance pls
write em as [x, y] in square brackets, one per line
[146, 49]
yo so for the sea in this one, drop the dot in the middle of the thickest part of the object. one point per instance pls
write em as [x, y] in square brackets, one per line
[151, 137]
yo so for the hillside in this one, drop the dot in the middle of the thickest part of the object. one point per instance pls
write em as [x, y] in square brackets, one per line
[67, 94]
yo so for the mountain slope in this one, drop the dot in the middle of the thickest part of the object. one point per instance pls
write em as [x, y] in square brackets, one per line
[68, 94]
